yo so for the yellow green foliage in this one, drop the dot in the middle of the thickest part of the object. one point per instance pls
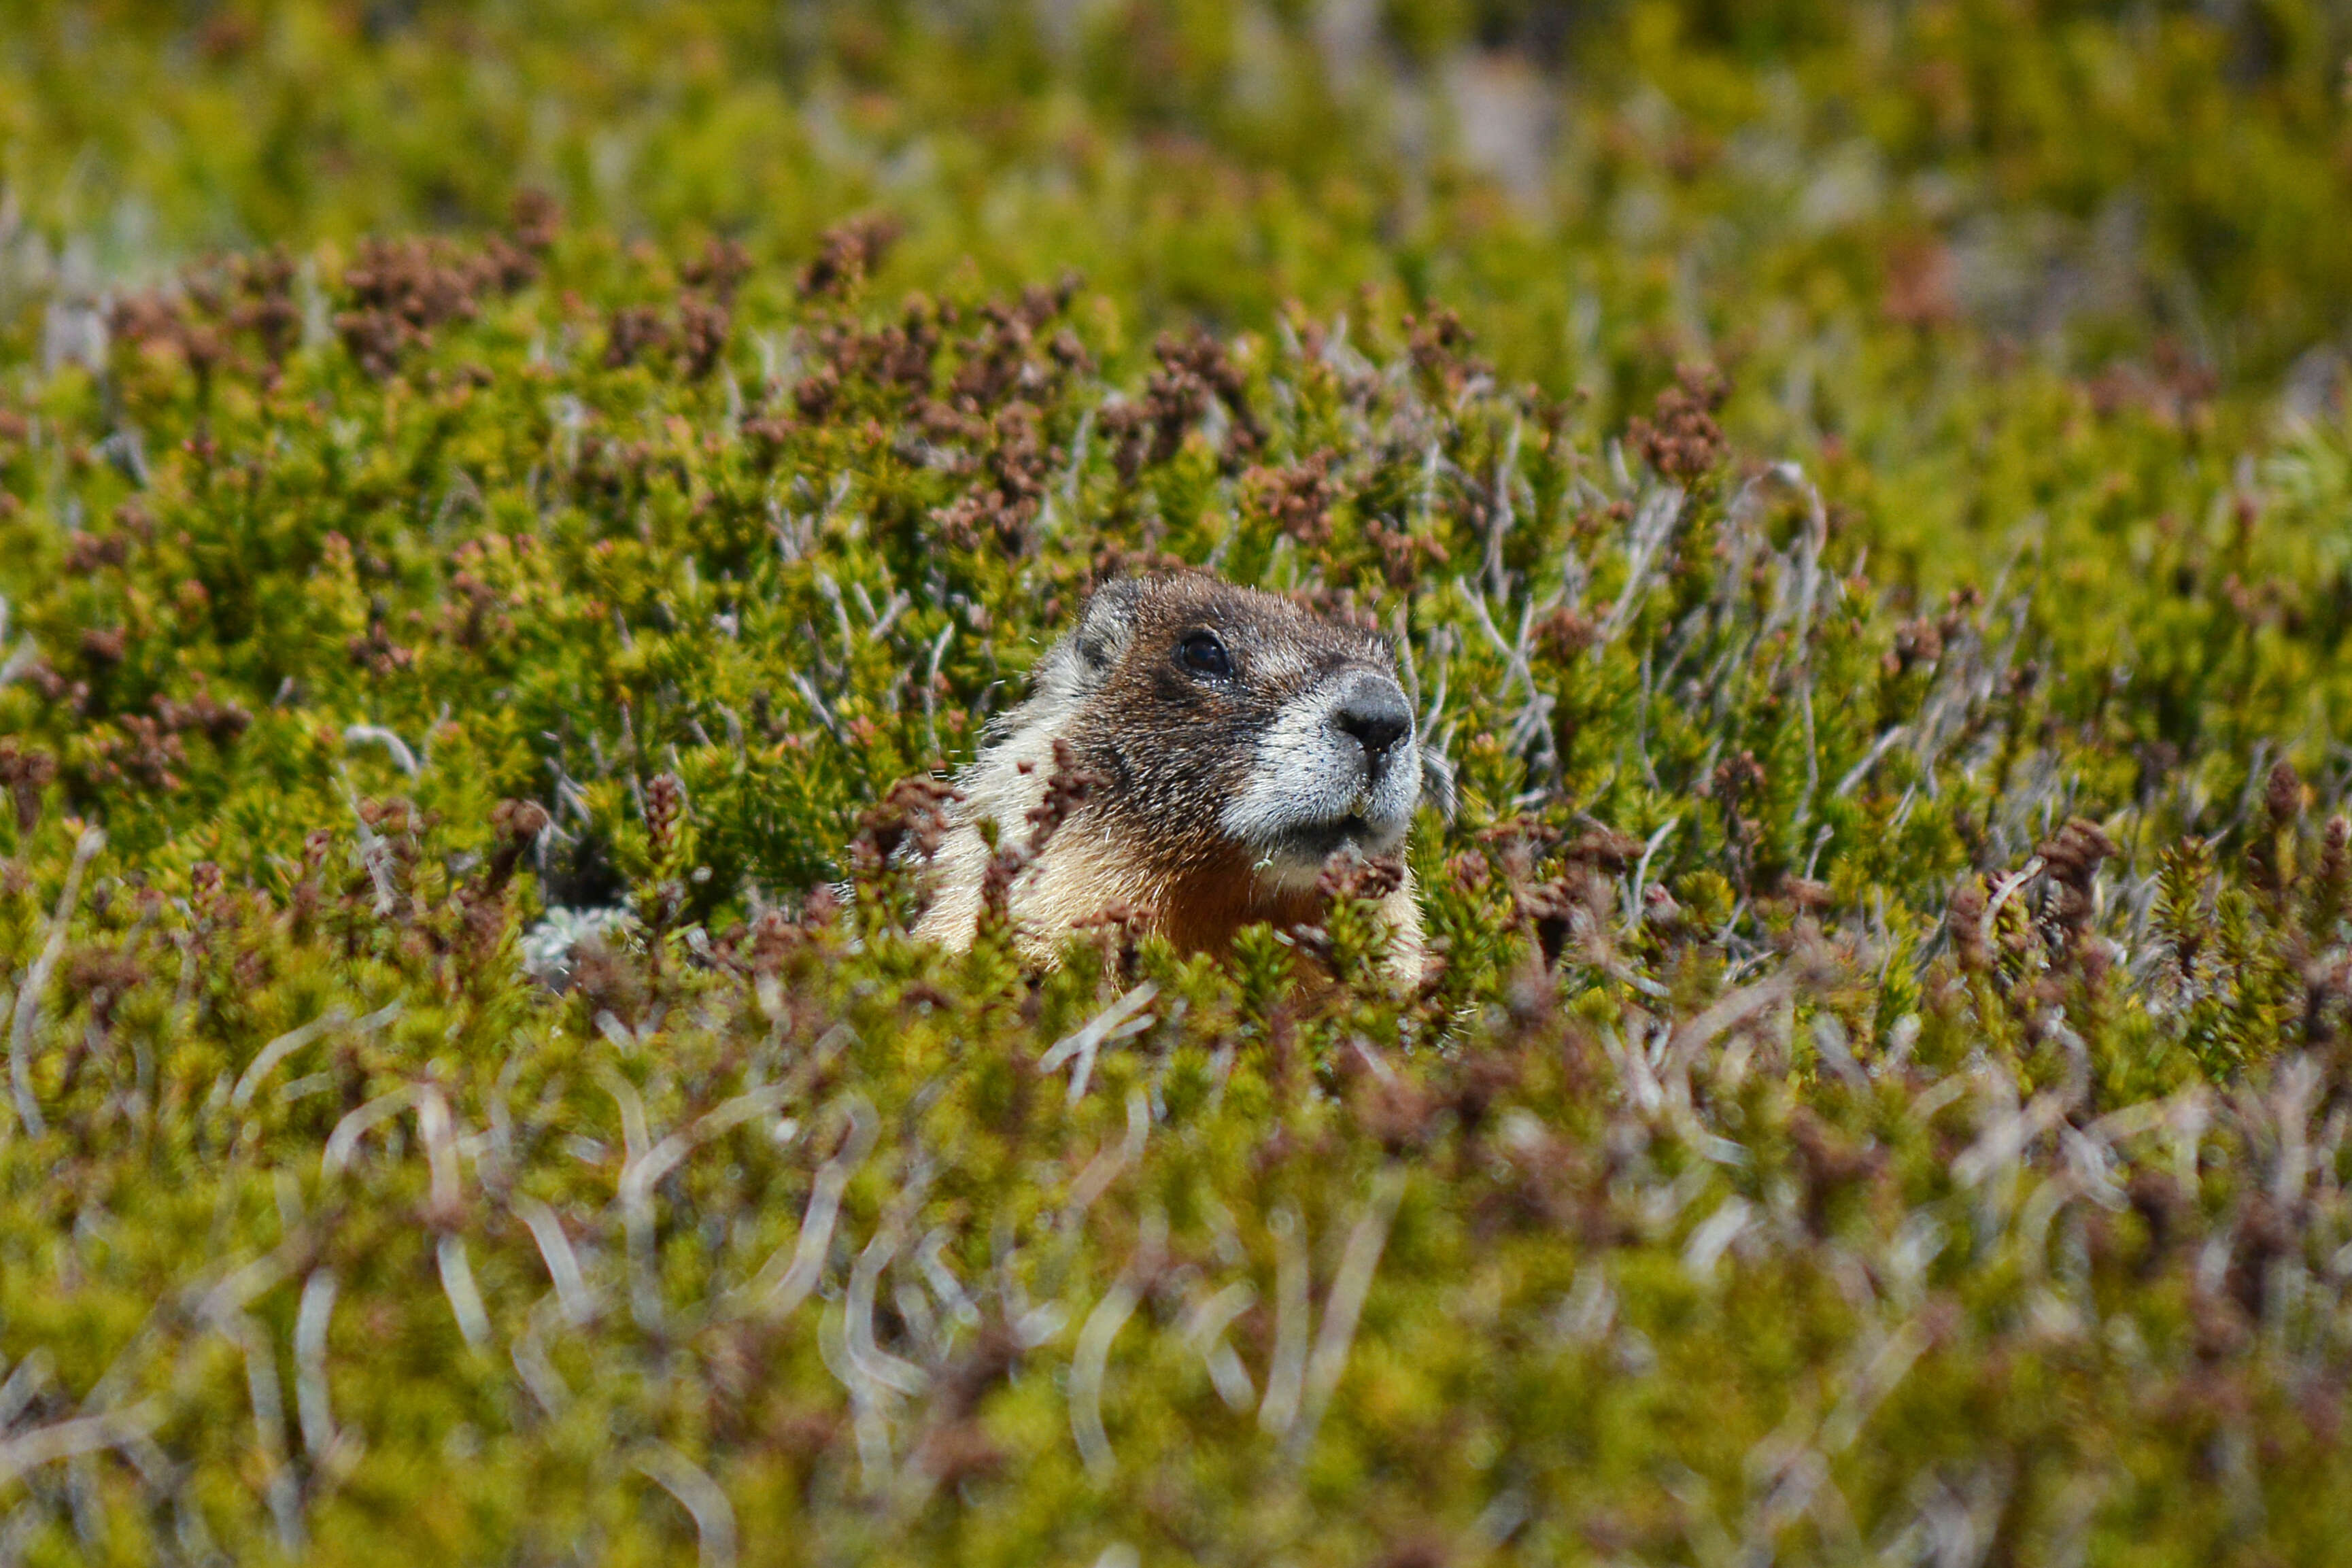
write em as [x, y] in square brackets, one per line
[1867, 511]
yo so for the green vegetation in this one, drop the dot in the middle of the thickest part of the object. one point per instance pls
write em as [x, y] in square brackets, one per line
[1866, 496]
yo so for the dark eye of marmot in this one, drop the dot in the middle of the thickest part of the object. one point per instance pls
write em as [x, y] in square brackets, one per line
[1203, 654]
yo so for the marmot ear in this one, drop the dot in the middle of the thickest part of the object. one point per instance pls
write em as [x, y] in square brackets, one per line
[1437, 781]
[1105, 625]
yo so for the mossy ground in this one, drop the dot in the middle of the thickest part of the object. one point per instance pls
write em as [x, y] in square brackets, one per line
[1866, 501]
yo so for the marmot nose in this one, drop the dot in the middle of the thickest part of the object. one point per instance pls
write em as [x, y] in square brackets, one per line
[1373, 712]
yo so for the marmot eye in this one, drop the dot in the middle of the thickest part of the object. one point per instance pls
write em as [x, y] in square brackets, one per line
[1203, 654]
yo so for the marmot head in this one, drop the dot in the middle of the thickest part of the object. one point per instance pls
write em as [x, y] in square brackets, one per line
[1235, 725]
[1234, 742]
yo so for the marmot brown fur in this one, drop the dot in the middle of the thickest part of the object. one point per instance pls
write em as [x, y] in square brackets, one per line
[1234, 743]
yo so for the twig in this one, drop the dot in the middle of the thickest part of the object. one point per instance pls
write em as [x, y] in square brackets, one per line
[2009, 885]
[704, 1500]
[1860, 770]
[643, 1170]
[1203, 1330]
[1120, 1020]
[1091, 1361]
[79, 1435]
[344, 1142]
[1652, 524]
[865, 1352]
[1286, 1379]
[266, 1061]
[1642, 871]
[780, 1297]
[579, 1302]
[37, 980]
[1345, 1305]
[402, 756]
[311, 1400]
[1104, 1168]
[930, 686]
[465, 1297]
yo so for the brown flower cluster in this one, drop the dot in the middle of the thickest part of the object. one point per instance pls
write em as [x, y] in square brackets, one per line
[1684, 442]
[1921, 641]
[144, 755]
[991, 404]
[1068, 788]
[2268, 858]
[1735, 786]
[1296, 498]
[1002, 358]
[222, 721]
[1194, 372]
[24, 773]
[1358, 880]
[2071, 858]
[898, 357]
[631, 332]
[248, 298]
[1404, 554]
[375, 651]
[1340, 604]
[1439, 345]
[664, 810]
[913, 818]
[999, 512]
[398, 291]
[1563, 633]
[848, 254]
[515, 824]
[1919, 290]
[706, 316]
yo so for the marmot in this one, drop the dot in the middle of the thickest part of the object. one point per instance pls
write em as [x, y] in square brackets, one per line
[1234, 744]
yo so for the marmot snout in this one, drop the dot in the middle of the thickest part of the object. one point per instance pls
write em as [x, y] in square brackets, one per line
[1237, 743]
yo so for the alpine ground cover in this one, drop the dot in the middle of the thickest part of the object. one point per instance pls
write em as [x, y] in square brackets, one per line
[1885, 1092]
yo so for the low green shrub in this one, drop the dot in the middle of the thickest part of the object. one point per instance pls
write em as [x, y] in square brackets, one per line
[1885, 1094]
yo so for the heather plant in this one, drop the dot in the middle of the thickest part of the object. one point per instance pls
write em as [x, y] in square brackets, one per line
[1858, 1079]
[475, 700]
